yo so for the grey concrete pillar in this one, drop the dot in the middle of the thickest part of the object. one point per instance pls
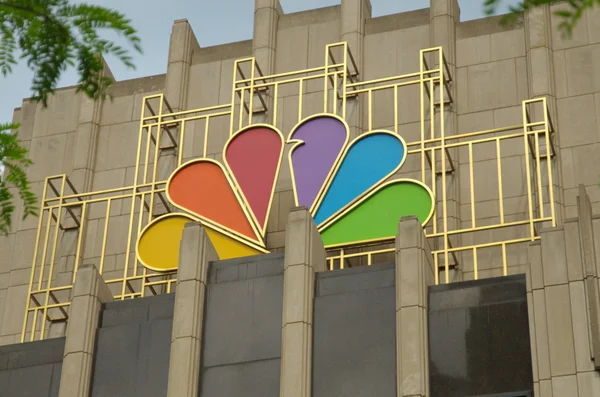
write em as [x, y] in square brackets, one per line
[563, 309]
[304, 256]
[590, 270]
[354, 14]
[266, 21]
[89, 293]
[414, 274]
[195, 255]
[540, 76]
[86, 140]
[538, 39]
[536, 307]
[443, 17]
[551, 324]
[181, 47]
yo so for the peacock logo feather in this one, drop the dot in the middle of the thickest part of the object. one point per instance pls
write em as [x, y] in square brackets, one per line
[348, 188]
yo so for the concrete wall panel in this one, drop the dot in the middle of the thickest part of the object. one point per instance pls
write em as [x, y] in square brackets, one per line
[580, 34]
[506, 45]
[31, 369]
[132, 348]
[355, 307]
[479, 338]
[393, 53]
[492, 85]
[319, 36]
[473, 51]
[241, 346]
[252, 379]
[291, 54]
[581, 66]
[119, 110]
[117, 145]
[204, 84]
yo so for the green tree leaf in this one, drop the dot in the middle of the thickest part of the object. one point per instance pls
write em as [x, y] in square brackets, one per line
[569, 17]
[14, 159]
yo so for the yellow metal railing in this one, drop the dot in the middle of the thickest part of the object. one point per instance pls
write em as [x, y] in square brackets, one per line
[101, 227]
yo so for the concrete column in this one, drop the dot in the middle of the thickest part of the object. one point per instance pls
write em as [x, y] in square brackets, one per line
[354, 14]
[550, 315]
[590, 272]
[444, 15]
[86, 140]
[562, 314]
[181, 47]
[414, 274]
[304, 256]
[195, 255]
[266, 20]
[536, 307]
[540, 75]
[538, 39]
[89, 293]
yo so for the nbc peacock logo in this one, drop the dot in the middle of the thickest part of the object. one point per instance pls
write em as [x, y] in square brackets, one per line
[349, 188]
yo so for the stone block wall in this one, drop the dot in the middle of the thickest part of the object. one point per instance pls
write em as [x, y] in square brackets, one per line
[494, 69]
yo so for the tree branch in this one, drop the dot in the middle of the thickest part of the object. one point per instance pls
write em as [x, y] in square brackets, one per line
[20, 7]
[47, 18]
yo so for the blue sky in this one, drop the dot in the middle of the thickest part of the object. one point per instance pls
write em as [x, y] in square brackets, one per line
[214, 22]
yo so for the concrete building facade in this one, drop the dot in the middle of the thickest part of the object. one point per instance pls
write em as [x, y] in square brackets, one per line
[501, 123]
